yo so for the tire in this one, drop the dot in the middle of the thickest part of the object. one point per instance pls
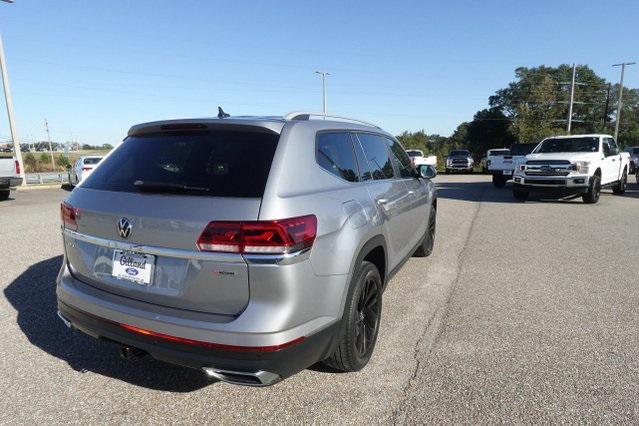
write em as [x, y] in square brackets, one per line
[499, 181]
[594, 191]
[4, 195]
[620, 187]
[359, 333]
[520, 195]
[425, 249]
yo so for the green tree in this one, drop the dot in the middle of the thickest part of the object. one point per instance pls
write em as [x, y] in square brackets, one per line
[537, 101]
[490, 128]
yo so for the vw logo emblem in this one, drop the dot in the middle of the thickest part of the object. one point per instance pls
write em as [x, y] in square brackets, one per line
[124, 227]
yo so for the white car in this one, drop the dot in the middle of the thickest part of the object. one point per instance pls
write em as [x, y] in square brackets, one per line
[572, 166]
[502, 165]
[83, 168]
[9, 176]
[633, 151]
[417, 158]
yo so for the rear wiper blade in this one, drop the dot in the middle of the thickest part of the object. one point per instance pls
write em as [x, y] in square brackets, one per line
[167, 187]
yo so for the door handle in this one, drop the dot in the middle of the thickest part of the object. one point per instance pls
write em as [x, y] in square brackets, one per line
[382, 201]
[614, 159]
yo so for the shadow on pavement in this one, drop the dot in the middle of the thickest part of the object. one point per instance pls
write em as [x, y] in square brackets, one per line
[32, 295]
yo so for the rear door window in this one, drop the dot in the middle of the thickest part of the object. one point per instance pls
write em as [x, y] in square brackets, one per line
[334, 153]
[365, 172]
[214, 163]
[377, 155]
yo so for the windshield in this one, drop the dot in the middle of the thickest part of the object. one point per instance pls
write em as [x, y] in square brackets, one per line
[589, 144]
[498, 152]
[216, 163]
[633, 151]
[459, 153]
[522, 148]
[414, 153]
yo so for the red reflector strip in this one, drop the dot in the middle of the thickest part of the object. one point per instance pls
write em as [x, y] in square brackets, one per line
[210, 345]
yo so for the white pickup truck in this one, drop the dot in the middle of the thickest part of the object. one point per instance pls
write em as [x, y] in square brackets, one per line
[9, 176]
[572, 166]
[418, 159]
[502, 164]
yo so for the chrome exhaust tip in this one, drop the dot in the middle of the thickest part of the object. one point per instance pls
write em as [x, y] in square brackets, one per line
[258, 378]
[64, 320]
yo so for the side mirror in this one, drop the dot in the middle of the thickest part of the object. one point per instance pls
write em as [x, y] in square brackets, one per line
[427, 171]
[69, 167]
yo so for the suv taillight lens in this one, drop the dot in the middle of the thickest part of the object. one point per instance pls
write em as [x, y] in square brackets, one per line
[69, 215]
[17, 167]
[259, 237]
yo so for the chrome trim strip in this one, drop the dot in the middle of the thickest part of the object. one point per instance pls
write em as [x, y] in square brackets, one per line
[278, 259]
[157, 251]
[64, 320]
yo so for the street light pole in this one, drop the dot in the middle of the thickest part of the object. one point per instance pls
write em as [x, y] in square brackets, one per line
[323, 74]
[12, 125]
[46, 125]
[619, 102]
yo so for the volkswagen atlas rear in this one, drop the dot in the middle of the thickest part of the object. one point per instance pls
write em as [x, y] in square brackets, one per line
[223, 245]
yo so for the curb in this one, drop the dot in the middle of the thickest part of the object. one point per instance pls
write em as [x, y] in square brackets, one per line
[38, 186]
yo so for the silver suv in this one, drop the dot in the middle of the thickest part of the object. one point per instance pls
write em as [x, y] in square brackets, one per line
[248, 247]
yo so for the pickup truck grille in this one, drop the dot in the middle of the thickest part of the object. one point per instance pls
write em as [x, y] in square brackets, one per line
[547, 172]
[547, 168]
[460, 162]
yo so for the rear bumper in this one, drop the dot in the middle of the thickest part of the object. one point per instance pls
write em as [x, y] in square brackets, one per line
[258, 339]
[271, 365]
[502, 172]
[10, 182]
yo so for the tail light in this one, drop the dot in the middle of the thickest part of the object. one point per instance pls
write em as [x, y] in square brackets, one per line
[259, 237]
[70, 216]
[86, 169]
[17, 167]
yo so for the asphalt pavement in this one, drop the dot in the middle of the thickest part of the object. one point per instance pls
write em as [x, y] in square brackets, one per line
[525, 312]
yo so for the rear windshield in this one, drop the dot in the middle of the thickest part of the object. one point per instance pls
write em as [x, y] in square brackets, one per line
[586, 144]
[413, 153]
[211, 163]
[522, 148]
[92, 161]
[498, 152]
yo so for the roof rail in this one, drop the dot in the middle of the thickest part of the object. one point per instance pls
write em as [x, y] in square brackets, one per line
[303, 115]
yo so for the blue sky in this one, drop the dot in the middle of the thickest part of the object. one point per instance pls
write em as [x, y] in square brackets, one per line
[94, 68]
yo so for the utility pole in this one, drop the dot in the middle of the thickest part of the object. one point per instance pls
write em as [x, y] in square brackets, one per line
[618, 118]
[572, 97]
[605, 114]
[46, 125]
[12, 125]
[323, 74]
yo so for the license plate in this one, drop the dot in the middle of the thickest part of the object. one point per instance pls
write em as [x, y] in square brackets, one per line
[507, 172]
[135, 267]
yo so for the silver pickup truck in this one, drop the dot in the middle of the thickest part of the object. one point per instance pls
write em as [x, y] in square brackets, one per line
[9, 176]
